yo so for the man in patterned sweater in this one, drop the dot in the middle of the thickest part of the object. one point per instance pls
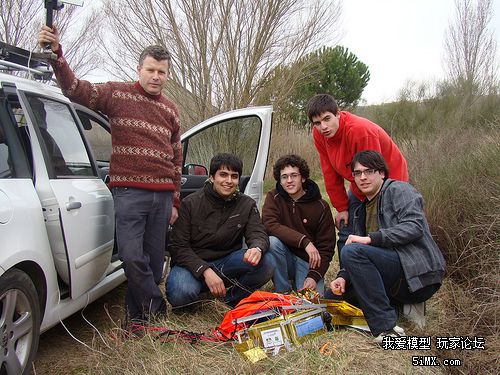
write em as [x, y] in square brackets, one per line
[145, 165]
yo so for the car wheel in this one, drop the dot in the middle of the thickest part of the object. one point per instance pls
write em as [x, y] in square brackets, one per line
[19, 322]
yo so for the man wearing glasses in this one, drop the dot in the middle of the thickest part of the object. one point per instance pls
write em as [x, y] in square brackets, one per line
[300, 226]
[338, 136]
[391, 259]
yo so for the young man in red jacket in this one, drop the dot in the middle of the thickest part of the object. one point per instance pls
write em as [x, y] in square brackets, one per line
[338, 136]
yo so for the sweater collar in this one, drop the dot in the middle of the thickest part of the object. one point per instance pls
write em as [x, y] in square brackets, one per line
[139, 88]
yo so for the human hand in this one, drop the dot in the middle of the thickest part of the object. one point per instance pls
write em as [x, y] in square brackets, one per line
[214, 283]
[338, 286]
[365, 240]
[314, 257]
[341, 216]
[252, 256]
[309, 283]
[174, 215]
[49, 36]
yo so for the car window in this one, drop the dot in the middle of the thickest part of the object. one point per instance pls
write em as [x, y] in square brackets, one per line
[6, 166]
[61, 137]
[97, 136]
[237, 136]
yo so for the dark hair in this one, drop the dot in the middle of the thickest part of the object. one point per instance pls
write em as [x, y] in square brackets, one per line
[156, 52]
[320, 104]
[292, 161]
[371, 160]
[230, 161]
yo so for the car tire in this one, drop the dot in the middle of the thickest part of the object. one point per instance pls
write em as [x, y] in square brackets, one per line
[19, 322]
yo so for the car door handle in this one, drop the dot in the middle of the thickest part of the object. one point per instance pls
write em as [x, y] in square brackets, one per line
[73, 205]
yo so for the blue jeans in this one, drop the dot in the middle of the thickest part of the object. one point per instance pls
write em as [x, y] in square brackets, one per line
[288, 266]
[347, 228]
[142, 218]
[379, 284]
[242, 279]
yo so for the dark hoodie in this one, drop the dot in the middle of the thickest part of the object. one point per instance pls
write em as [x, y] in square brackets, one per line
[297, 223]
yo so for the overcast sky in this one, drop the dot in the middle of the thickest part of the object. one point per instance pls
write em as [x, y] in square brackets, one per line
[400, 40]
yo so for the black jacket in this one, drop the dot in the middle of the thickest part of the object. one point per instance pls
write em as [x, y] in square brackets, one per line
[209, 228]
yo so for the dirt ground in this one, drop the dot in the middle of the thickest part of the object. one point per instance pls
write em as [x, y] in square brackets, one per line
[59, 353]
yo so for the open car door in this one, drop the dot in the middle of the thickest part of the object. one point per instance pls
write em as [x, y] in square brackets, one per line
[77, 205]
[243, 132]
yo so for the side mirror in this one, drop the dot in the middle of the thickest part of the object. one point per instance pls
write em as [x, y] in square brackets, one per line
[196, 170]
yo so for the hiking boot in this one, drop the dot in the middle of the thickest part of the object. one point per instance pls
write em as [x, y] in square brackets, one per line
[396, 331]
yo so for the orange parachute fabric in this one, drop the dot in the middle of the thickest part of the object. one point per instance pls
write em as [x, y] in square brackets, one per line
[258, 301]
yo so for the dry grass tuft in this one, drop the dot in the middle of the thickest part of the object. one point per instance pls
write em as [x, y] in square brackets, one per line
[453, 153]
[352, 353]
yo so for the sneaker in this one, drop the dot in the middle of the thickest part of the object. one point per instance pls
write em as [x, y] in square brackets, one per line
[396, 331]
[415, 313]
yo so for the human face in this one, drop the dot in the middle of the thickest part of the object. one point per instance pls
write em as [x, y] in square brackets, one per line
[292, 181]
[368, 182]
[225, 182]
[153, 75]
[326, 123]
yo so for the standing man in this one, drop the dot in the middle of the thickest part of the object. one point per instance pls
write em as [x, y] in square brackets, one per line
[391, 259]
[338, 136]
[206, 244]
[145, 166]
[300, 225]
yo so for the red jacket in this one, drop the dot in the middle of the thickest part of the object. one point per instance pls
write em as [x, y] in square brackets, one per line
[353, 135]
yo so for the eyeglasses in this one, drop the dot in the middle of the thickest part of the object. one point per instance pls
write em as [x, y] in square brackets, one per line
[293, 176]
[366, 172]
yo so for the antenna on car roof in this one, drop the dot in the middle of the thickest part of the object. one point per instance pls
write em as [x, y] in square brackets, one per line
[53, 5]
[13, 58]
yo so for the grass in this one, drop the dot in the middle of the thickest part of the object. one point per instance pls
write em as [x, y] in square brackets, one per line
[353, 352]
[453, 152]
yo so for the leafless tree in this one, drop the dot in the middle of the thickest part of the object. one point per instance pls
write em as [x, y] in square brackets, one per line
[224, 50]
[470, 48]
[21, 20]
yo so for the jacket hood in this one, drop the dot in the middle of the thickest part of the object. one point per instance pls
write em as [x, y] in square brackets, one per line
[310, 187]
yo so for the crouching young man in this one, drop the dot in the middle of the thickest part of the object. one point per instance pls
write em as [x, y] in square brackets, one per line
[300, 225]
[391, 259]
[207, 239]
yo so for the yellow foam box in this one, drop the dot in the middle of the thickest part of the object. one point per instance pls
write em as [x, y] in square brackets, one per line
[288, 330]
[343, 313]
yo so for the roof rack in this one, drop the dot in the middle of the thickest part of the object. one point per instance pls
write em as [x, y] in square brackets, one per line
[14, 59]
